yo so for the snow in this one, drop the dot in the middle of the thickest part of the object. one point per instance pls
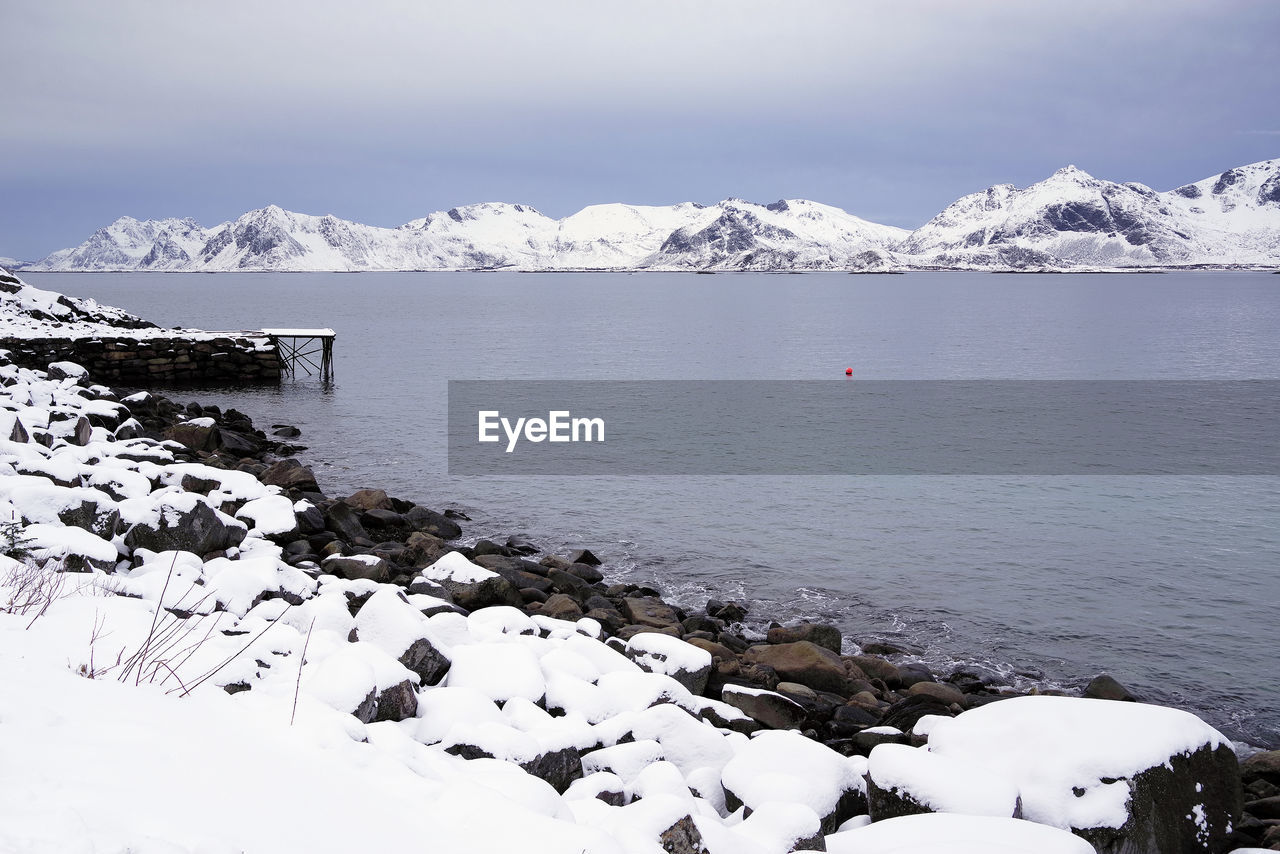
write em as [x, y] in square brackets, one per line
[783, 765]
[941, 783]
[955, 834]
[271, 515]
[1059, 750]
[659, 653]
[455, 567]
[500, 671]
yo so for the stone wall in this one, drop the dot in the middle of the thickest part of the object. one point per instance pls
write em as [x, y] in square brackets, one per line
[154, 361]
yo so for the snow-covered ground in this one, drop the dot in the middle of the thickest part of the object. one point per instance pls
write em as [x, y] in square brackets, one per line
[1071, 220]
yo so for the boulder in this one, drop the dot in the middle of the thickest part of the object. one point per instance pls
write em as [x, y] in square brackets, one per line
[784, 766]
[804, 662]
[388, 621]
[1262, 766]
[290, 474]
[199, 435]
[939, 691]
[368, 499]
[1104, 687]
[817, 633]
[1127, 777]
[355, 567]
[584, 556]
[561, 607]
[398, 702]
[471, 586]
[904, 780]
[342, 520]
[670, 656]
[436, 524]
[422, 549]
[937, 833]
[187, 526]
[769, 708]
[650, 612]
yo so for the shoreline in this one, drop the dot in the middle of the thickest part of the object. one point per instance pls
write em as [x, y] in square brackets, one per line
[796, 681]
[727, 629]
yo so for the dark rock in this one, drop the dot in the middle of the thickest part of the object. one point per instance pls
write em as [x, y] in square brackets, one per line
[649, 611]
[378, 518]
[341, 519]
[558, 767]
[822, 635]
[422, 549]
[913, 672]
[83, 434]
[906, 712]
[586, 572]
[682, 838]
[356, 567]
[424, 659]
[436, 524]
[489, 547]
[290, 474]
[884, 648]
[238, 444]
[198, 530]
[397, 703]
[584, 556]
[731, 613]
[566, 582]
[939, 691]
[803, 662]
[768, 707]
[494, 590]
[1104, 687]
[877, 668]
[522, 546]
[1262, 766]
[309, 520]
[285, 431]
[562, 607]
[194, 436]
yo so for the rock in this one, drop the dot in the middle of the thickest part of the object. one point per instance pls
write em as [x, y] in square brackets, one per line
[912, 672]
[472, 586]
[566, 582]
[310, 520]
[682, 838]
[379, 518]
[422, 549]
[802, 694]
[1104, 687]
[769, 708]
[877, 668]
[285, 431]
[561, 607]
[817, 633]
[1262, 766]
[341, 519]
[558, 767]
[649, 611]
[942, 833]
[356, 567]
[733, 612]
[290, 474]
[198, 436]
[397, 703]
[199, 529]
[1127, 777]
[432, 523]
[719, 652]
[905, 780]
[521, 545]
[683, 662]
[906, 712]
[586, 572]
[83, 434]
[238, 444]
[803, 662]
[941, 692]
[584, 556]
[785, 766]
[884, 648]
[388, 621]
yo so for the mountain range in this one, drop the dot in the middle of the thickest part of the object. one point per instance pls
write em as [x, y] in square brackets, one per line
[1070, 220]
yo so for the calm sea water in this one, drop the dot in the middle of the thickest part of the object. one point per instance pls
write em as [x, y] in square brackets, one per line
[1169, 583]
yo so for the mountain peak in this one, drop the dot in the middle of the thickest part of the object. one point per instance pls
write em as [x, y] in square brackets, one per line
[1073, 173]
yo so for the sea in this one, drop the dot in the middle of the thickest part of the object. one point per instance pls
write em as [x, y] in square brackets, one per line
[1170, 583]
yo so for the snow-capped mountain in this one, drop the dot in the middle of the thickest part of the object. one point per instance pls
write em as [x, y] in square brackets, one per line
[1069, 220]
[1073, 219]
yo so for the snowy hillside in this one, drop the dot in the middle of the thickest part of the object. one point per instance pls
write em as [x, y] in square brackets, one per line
[1068, 220]
[1072, 218]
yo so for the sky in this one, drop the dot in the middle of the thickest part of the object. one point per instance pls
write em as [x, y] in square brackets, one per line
[386, 110]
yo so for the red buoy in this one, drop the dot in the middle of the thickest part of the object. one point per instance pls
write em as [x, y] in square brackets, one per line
[848, 372]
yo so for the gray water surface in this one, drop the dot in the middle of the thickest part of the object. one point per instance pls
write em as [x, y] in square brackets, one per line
[1168, 583]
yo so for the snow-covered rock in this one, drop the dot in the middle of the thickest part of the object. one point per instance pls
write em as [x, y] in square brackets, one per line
[784, 766]
[904, 780]
[1126, 776]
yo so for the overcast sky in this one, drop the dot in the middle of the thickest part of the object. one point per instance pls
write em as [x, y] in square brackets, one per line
[382, 111]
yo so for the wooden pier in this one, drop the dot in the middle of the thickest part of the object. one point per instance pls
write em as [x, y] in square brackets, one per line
[308, 349]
